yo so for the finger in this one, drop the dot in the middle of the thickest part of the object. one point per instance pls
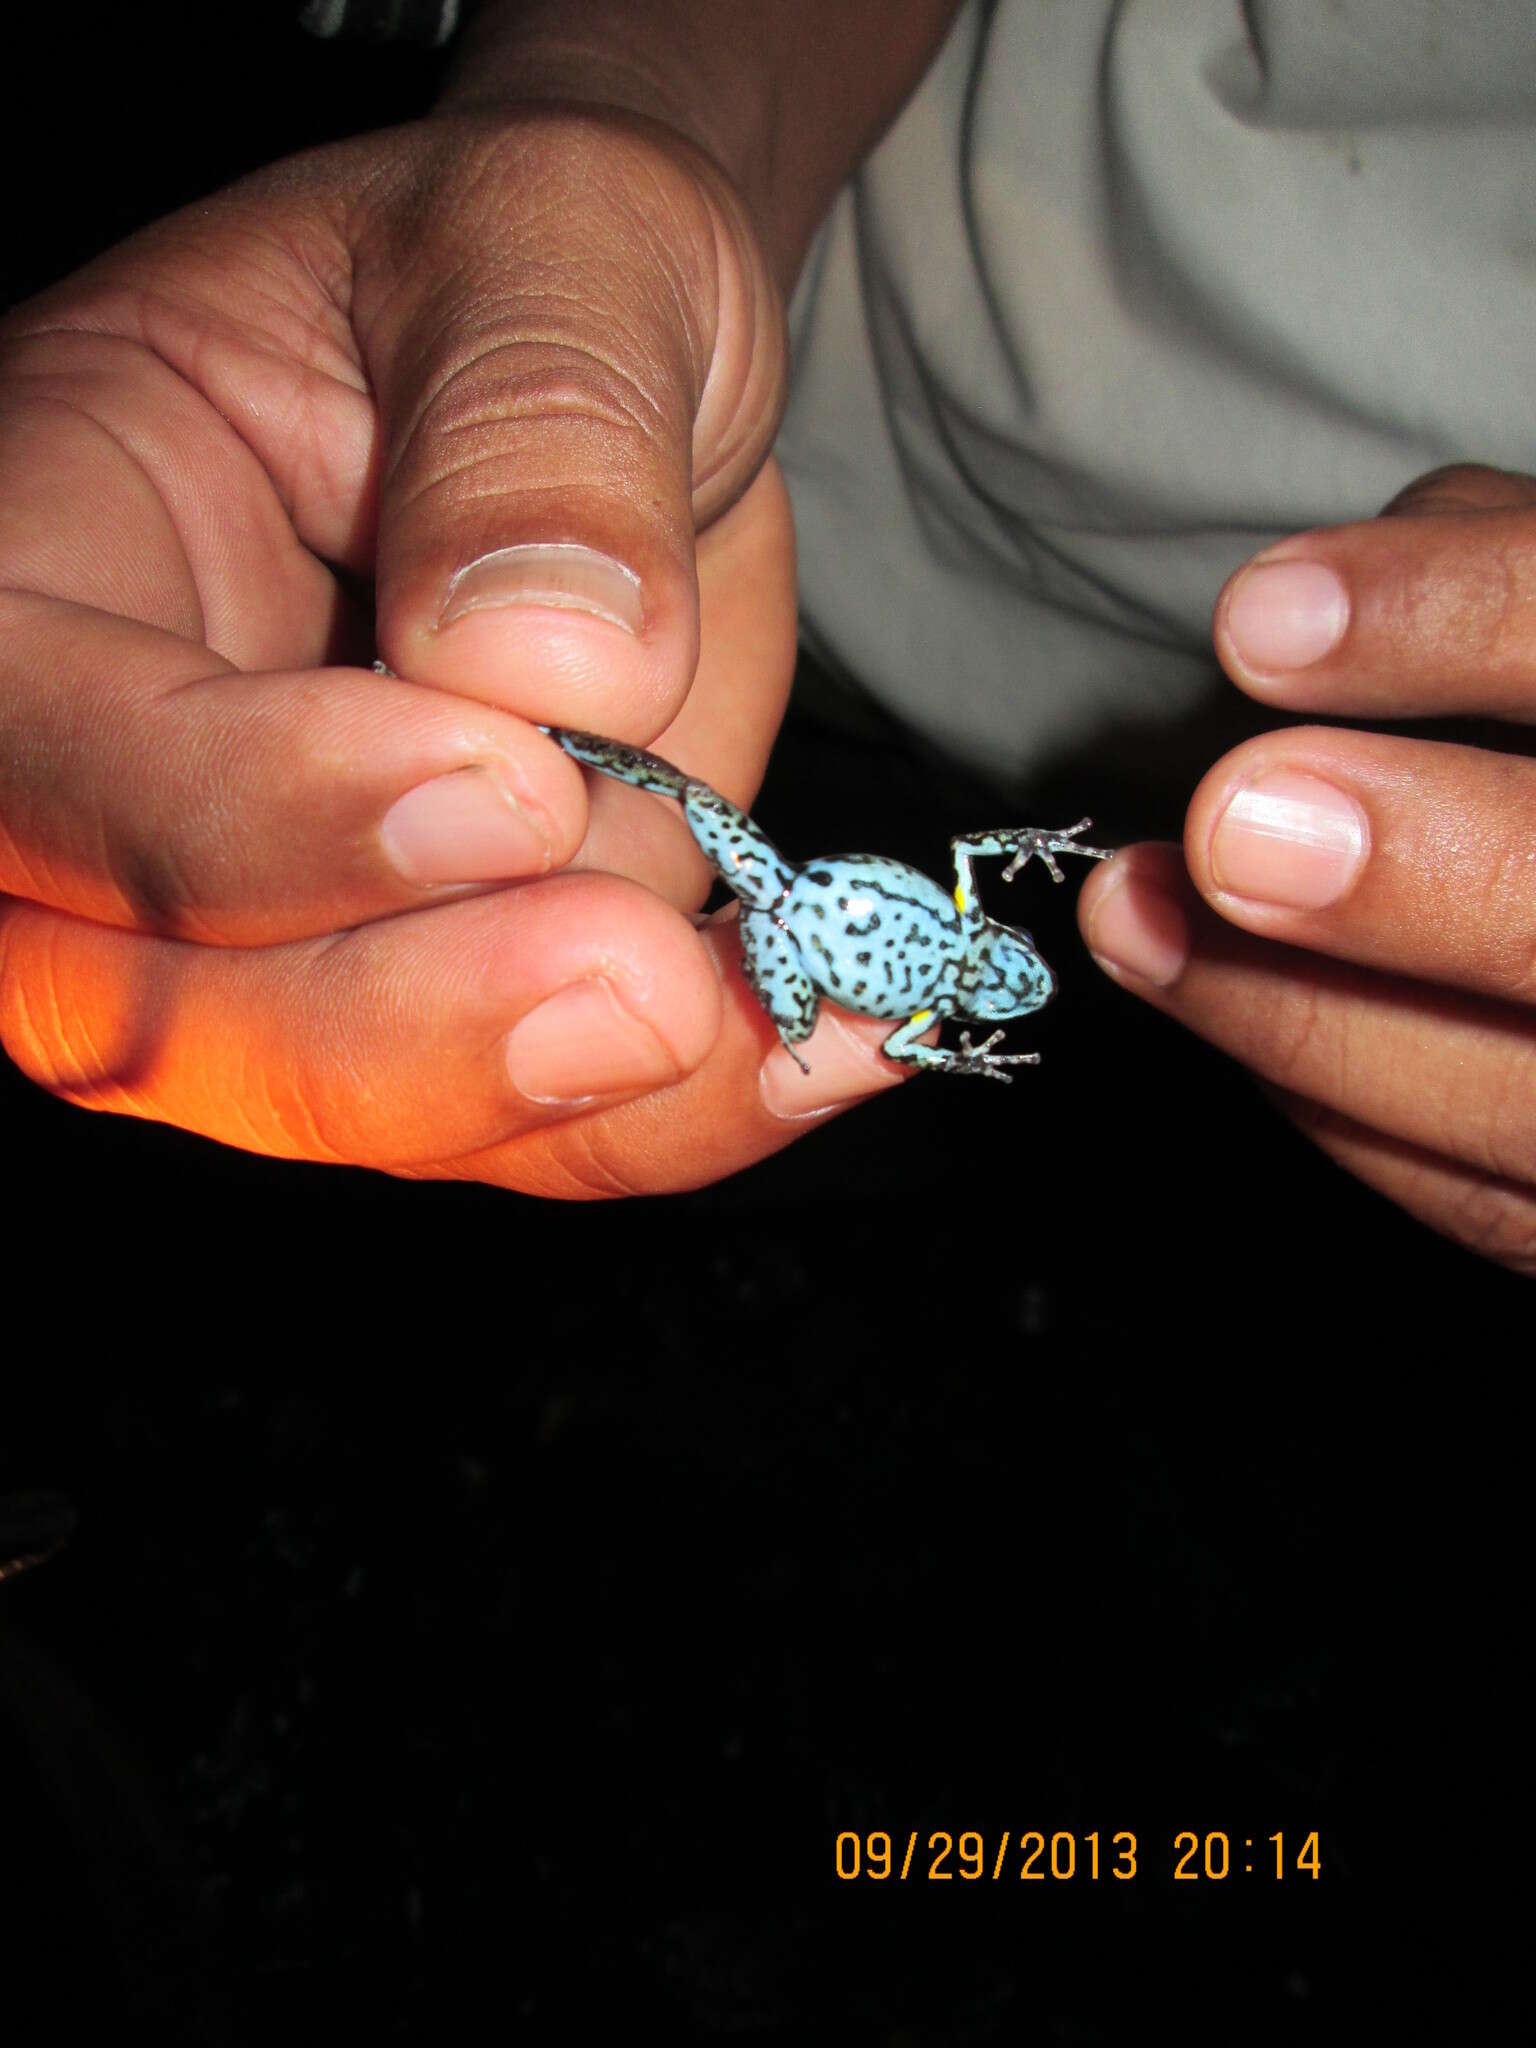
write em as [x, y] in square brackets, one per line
[578, 356]
[1491, 1216]
[1463, 487]
[124, 488]
[494, 1039]
[749, 1099]
[144, 783]
[1433, 613]
[245, 299]
[395, 1044]
[1449, 1074]
[1412, 857]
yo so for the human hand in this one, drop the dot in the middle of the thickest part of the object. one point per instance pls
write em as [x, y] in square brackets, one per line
[253, 888]
[1354, 915]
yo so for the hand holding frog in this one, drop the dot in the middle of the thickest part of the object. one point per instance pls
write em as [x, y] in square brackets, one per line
[241, 871]
[1357, 922]
[520, 366]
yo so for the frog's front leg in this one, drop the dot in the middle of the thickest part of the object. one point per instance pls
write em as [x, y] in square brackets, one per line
[1025, 844]
[903, 1045]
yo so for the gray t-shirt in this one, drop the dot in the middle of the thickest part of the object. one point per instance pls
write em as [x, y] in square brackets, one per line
[1132, 288]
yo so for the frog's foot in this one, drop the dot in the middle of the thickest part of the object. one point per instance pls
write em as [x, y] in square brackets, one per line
[981, 1059]
[979, 1052]
[969, 1059]
[1044, 845]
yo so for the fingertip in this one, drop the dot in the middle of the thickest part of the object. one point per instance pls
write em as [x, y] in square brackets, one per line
[1214, 792]
[1160, 862]
[607, 989]
[1134, 916]
[1280, 615]
[481, 776]
[1280, 823]
[557, 632]
[1462, 487]
[586, 1041]
[1096, 882]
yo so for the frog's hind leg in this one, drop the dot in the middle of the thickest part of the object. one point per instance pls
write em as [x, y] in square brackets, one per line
[625, 764]
[741, 853]
[770, 959]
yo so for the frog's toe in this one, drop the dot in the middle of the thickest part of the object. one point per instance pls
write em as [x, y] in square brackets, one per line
[991, 1064]
[979, 1052]
[981, 1059]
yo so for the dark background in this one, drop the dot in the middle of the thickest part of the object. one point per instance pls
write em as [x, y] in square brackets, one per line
[487, 1609]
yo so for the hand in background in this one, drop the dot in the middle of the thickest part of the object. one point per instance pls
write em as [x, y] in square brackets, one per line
[1361, 929]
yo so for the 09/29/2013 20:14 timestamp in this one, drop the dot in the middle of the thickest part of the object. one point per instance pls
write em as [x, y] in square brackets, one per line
[1063, 1856]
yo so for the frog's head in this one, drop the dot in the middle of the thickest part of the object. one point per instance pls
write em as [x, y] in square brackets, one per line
[1011, 978]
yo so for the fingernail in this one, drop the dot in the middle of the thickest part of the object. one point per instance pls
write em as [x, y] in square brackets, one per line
[844, 1066]
[463, 827]
[558, 573]
[1286, 615]
[1137, 929]
[583, 1042]
[1289, 839]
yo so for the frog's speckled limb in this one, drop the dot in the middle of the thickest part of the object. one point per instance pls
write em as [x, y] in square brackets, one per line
[771, 961]
[1024, 846]
[742, 855]
[870, 934]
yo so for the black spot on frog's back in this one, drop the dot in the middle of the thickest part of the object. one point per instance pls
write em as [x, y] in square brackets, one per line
[888, 885]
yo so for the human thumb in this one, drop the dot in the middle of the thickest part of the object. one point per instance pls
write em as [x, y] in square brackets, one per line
[578, 356]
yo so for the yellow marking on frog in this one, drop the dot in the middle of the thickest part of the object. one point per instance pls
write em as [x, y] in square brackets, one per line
[959, 899]
[922, 1016]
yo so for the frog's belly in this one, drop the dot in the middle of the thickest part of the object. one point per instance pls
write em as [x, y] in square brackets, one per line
[875, 936]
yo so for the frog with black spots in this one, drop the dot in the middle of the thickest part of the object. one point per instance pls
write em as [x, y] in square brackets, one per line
[871, 934]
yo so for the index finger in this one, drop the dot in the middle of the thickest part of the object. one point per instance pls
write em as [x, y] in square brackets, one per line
[1390, 618]
[1412, 857]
